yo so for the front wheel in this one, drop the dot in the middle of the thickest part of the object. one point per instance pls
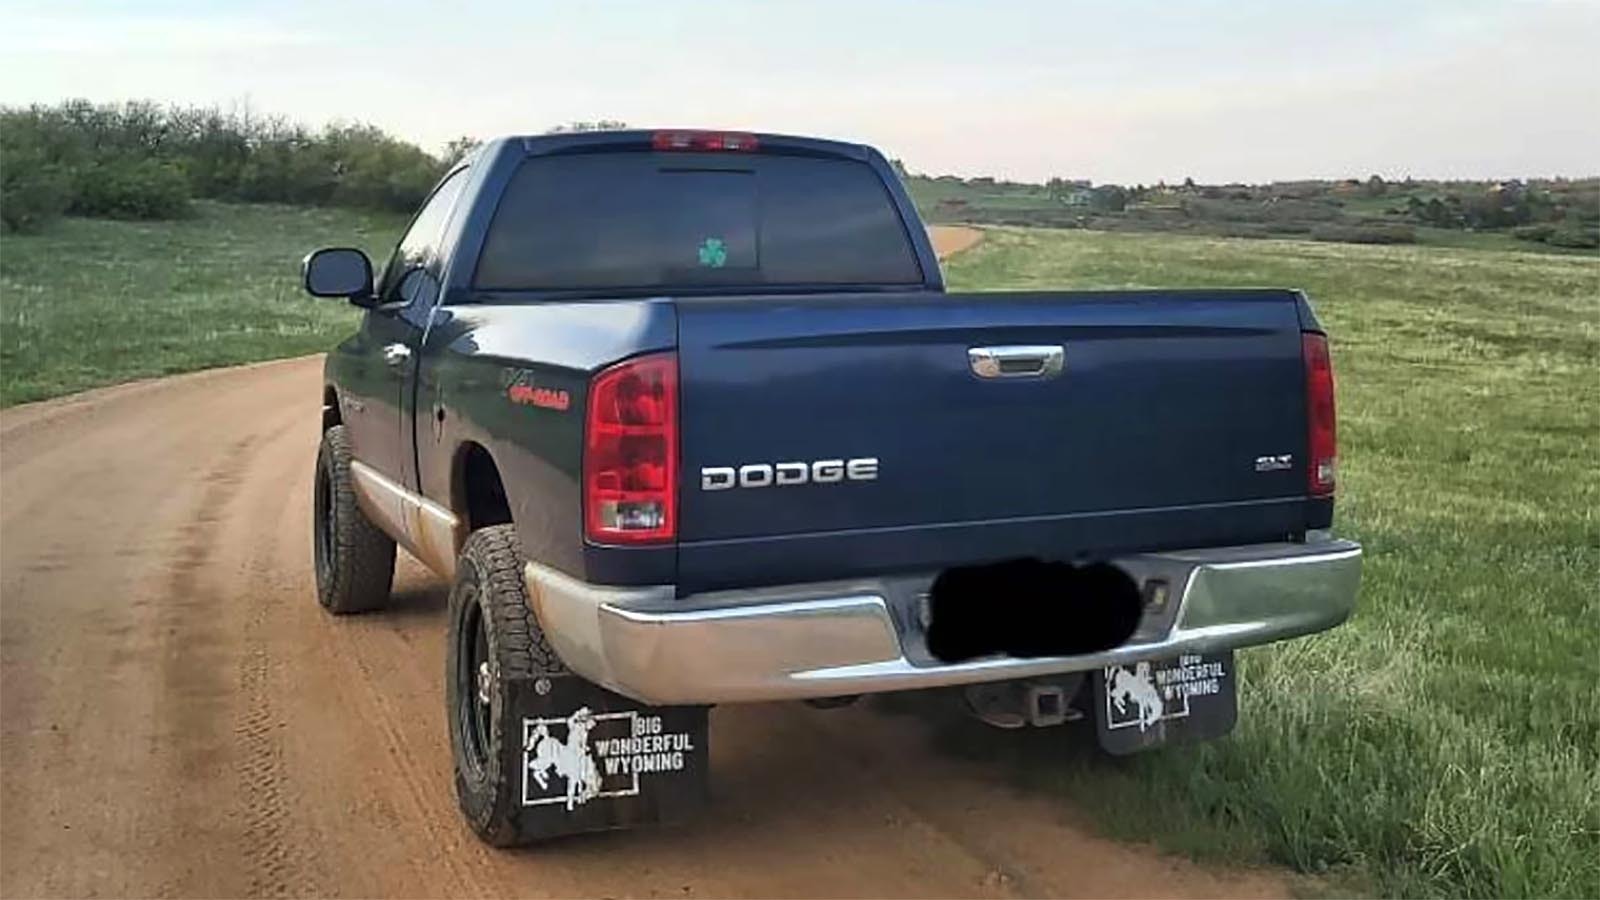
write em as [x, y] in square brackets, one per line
[354, 559]
[494, 642]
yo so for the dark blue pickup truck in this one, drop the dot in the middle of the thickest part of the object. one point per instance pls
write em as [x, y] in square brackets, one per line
[689, 418]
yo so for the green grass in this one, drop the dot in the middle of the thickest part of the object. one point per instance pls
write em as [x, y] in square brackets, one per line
[927, 193]
[1445, 742]
[93, 302]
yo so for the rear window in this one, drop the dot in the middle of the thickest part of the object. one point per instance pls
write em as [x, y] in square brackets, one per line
[644, 220]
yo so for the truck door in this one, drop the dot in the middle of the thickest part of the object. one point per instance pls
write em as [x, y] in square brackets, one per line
[392, 336]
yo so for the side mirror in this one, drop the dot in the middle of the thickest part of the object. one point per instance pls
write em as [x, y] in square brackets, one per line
[338, 272]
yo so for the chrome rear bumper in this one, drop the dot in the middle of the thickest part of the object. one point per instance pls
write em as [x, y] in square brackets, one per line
[863, 636]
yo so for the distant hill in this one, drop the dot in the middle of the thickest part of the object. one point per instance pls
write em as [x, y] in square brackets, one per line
[1559, 214]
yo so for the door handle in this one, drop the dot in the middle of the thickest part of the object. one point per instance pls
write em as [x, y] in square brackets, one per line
[1017, 361]
[396, 354]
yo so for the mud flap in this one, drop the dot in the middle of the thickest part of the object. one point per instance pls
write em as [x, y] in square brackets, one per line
[592, 760]
[1144, 705]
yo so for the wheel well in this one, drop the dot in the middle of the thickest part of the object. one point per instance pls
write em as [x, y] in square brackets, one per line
[330, 408]
[479, 493]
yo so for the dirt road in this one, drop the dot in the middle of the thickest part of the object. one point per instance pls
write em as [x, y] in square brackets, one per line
[948, 239]
[177, 716]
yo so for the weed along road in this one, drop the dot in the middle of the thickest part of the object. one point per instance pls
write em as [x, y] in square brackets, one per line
[180, 718]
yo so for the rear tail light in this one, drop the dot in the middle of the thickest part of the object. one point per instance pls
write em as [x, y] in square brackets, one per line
[1322, 443]
[630, 452]
[705, 140]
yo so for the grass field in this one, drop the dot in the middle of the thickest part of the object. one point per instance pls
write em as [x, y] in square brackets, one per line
[1444, 743]
[94, 302]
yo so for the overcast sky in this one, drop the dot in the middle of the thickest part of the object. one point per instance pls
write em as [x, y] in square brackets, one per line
[1115, 90]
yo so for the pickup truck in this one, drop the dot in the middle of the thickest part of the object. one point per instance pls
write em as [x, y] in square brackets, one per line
[688, 418]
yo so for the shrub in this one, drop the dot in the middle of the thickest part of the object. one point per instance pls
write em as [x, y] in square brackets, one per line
[130, 189]
[1288, 228]
[1533, 232]
[1365, 234]
[1576, 238]
[139, 160]
[31, 198]
[32, 190]
[376, 171]
[1242, 230]
[1279, 210]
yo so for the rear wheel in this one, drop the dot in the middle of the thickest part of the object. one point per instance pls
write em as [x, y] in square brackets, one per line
[493, 643]
[354, 559]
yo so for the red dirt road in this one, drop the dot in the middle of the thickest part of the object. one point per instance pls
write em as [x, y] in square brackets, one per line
[952, 239]
[179, 718]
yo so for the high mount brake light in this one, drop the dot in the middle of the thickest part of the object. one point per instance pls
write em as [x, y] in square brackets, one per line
[630, 452]
[705, 140]
[1322, 442]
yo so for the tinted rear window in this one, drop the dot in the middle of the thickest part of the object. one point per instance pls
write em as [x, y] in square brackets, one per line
[643, 220]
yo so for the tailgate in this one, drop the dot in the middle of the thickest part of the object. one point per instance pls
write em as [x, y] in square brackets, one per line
[1149, 436]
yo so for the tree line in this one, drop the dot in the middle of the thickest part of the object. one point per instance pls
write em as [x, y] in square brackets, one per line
[141, 160]
[1557, 211]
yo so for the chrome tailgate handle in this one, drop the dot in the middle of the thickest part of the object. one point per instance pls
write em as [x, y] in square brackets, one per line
[1017, 361]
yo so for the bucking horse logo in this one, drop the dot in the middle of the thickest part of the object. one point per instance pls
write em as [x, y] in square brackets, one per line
[570, 760]
[1138, 688]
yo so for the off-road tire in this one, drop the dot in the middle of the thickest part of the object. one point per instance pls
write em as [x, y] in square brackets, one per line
[353, 558]
[490, 622]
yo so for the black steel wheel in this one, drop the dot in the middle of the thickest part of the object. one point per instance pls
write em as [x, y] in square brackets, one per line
[494, 643]
[354, 559]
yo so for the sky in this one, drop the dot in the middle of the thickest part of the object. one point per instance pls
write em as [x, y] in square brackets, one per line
[1121, 91]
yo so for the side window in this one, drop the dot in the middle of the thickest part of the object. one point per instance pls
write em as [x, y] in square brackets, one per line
[421, 241]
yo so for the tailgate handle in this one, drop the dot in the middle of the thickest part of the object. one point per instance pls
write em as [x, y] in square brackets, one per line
[1017, 361]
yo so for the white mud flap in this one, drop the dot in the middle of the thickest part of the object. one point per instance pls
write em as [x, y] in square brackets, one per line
[592, 760]
[1146, 704]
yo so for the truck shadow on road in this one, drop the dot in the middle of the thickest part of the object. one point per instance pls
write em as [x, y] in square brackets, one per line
[419, 603]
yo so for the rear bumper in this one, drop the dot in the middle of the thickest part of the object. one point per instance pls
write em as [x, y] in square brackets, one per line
[864, 636]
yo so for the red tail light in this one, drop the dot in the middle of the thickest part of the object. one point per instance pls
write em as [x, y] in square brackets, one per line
[1322, 442]
[705, 140]
[630, 452]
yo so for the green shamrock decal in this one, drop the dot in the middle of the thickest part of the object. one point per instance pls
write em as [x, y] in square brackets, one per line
[713, 253]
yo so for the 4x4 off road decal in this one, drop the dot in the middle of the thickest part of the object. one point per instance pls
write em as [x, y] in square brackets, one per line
[590, 755]
[1155, 702]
